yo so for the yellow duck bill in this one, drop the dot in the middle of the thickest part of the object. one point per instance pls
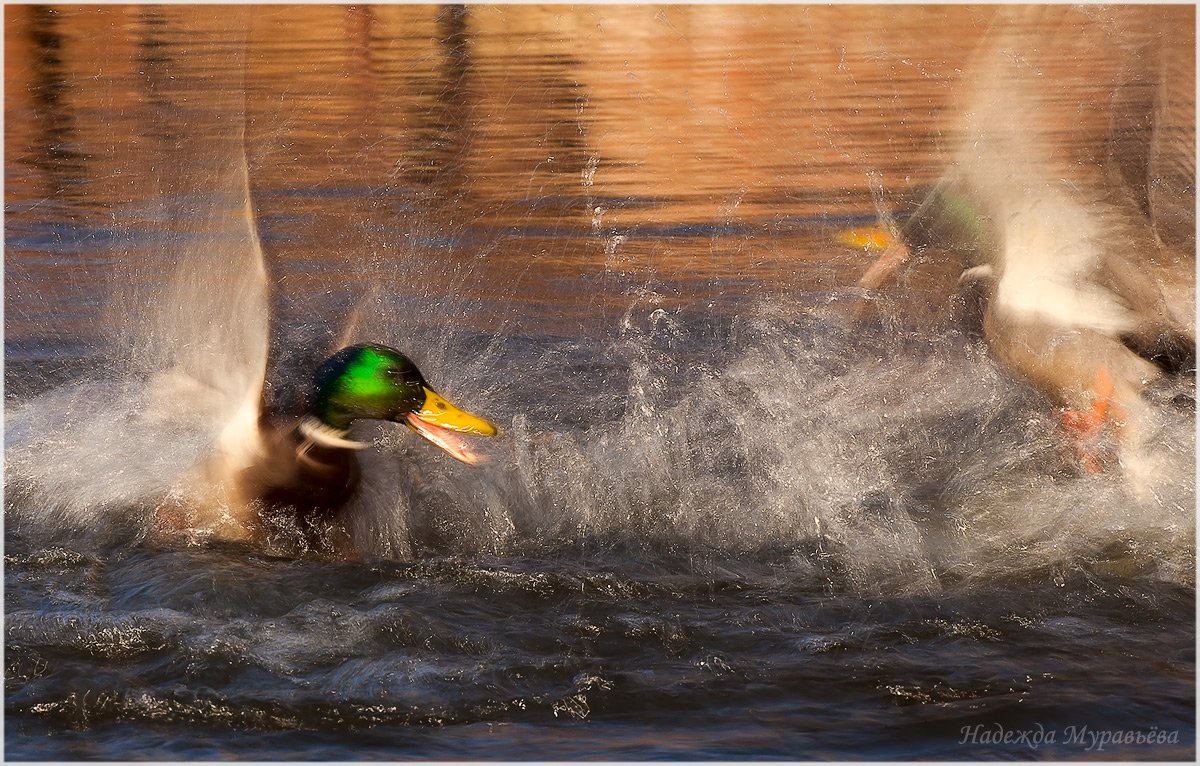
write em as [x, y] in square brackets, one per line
[443, 424]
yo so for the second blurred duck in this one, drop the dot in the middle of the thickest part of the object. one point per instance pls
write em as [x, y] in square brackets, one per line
[1071, 204]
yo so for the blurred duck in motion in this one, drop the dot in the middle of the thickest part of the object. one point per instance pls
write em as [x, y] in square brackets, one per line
[1070, 204]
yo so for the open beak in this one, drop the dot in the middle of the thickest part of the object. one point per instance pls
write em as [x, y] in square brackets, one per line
[442, 423]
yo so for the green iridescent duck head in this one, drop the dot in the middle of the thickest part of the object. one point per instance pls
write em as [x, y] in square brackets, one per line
[379, 383]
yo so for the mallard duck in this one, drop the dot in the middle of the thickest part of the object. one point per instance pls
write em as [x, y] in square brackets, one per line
[1071, 304]
[307, 469]
[1082, 296]
[1067, 307]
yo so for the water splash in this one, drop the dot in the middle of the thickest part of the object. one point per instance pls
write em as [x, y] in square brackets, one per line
[875, 461]
[898, 461]
[875, 465]
[175, 411]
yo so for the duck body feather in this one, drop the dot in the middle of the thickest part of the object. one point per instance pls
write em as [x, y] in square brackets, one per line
[312, 480]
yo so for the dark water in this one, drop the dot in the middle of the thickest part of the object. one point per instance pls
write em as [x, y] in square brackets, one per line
[727, 519]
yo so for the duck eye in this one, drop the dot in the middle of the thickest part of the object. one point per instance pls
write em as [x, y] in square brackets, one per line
[403, 376]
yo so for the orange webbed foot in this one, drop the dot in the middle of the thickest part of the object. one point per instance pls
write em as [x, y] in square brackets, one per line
[1087, 425]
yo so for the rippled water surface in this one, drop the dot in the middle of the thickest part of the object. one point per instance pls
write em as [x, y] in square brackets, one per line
[728, 517]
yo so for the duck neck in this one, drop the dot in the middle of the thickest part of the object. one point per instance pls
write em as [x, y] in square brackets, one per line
[321, 431]
[331, 416]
